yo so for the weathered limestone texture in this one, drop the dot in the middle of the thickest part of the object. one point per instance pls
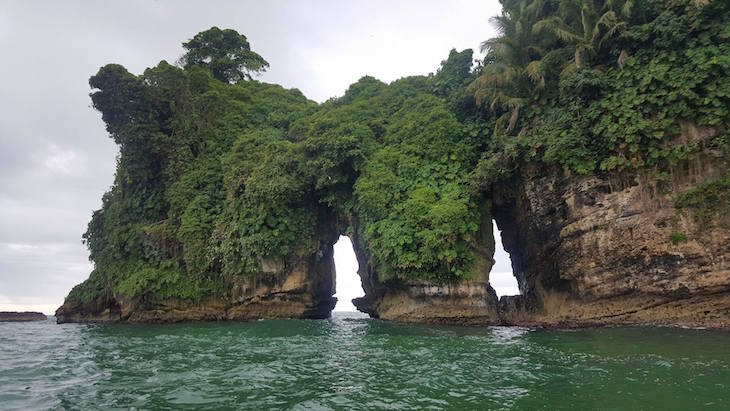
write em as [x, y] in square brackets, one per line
[298, 288]
[599, 250]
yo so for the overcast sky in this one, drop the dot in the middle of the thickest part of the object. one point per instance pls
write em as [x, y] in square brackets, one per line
[56, 159]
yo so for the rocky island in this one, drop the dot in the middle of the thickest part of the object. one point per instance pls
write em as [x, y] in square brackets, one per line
[14, 316]
[599, 145]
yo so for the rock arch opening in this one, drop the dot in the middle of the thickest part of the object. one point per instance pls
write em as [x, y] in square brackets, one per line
[347, 281]
[501, 276]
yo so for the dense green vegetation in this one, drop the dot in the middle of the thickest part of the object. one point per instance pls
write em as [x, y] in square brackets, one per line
[597, 86]
[218, 171]
[167, 225]
[709, 202]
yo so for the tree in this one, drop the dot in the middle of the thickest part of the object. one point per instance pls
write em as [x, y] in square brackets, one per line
[590, 30]
[225, 53]
[512, 74]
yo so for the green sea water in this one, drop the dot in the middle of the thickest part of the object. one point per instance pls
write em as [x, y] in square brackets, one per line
[352, 362]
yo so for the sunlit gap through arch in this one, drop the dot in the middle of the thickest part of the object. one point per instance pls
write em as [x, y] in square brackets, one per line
[501, 278]
[347, 281]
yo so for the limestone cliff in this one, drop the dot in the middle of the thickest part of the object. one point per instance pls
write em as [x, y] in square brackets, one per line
[615, 250]
[586, 250]
[299, 287]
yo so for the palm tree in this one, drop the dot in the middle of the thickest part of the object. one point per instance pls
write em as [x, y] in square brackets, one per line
[512, 74]
[622, 8]
[592, 26]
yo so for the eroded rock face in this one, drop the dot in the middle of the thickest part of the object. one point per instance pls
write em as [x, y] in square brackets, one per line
[599, 251]
[296, 288]
[469, 302]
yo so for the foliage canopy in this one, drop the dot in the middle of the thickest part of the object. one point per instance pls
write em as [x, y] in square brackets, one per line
[225, 53]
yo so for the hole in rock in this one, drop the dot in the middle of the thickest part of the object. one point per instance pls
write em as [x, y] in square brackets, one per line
[502, 278]
[347, 280]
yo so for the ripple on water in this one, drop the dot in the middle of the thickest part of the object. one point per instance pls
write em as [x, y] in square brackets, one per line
[351, 362]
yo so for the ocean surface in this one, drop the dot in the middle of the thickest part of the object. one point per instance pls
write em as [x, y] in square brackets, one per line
[352, 362]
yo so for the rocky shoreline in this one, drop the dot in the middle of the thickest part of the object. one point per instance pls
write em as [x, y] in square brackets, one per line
[14, 316]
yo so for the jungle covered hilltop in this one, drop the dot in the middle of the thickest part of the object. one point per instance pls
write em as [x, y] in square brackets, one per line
[595, 133]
